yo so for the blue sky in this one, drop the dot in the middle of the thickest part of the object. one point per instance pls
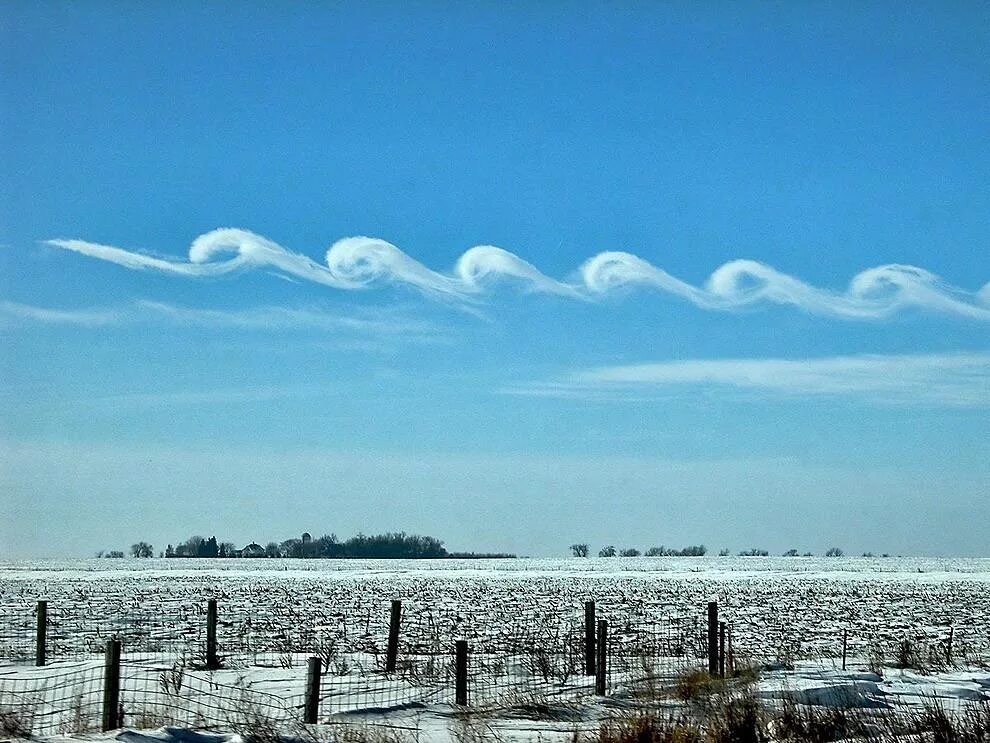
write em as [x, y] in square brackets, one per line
[734, 260]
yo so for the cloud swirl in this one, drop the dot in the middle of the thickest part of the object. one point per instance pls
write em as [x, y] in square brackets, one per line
[355, 263]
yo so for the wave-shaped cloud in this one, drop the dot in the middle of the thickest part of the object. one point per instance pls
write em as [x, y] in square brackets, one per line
[362, 262]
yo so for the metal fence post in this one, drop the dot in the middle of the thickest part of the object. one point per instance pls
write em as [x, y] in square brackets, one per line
[41, 640]
[601, 666]
[313, 676]
[111, 687]
[589, 638]
[392, 651]
[461, 673]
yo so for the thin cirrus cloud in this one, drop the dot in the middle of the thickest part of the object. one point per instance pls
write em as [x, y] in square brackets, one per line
[265, 318]
[14, 311]
[363, 262]
[958, 379]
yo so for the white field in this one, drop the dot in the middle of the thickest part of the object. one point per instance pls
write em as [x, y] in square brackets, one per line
[786, 613]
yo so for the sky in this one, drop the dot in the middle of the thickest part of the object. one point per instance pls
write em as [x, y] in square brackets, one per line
[514, 275]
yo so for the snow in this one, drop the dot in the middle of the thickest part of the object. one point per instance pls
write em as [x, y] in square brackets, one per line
[787, 616]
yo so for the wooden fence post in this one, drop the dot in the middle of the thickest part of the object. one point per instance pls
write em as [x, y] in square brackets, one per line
[712, 638]
[41, 640]
[601, 666]
[461, 673]
[589, 638]
[392, 651]
[212, 659]
[732, 655]
[948, 647]
[313, 676]
[111, 687]
[721, 650]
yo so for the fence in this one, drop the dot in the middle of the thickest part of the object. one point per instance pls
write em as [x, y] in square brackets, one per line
[200, 667]
[288, 665]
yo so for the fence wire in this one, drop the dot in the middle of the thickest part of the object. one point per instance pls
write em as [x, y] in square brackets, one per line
[533, 657]
[47, 701]
[153, 697]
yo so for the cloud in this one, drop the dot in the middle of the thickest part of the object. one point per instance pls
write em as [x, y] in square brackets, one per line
[961, 379]
[355, 263]
[87, 318]
[376, 323]
[288, 318]
[217, 396]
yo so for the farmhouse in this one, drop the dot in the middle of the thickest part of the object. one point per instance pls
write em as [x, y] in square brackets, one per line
[253, 550]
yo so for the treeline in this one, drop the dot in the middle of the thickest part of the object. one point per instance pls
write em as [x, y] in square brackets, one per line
[481, 556]
[393, 545]
[199, 547]
[581, 550]
[699, 550]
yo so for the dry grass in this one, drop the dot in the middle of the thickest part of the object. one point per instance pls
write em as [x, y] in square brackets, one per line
[973, 726]
[15, 722]
[368, 734]
[743, 720]
[648, 729]
[696, 685]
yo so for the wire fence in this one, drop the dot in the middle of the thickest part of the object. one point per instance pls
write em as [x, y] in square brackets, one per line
[252, 669]
[67, 699]
[152, 697]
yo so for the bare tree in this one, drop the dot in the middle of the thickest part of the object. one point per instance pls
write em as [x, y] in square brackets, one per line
[142, 549]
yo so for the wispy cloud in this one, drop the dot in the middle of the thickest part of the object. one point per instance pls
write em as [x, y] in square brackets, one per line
[363, 262]
[217, 396]
[13, 311]
[961, 379]
[289, 318]
[370, 323]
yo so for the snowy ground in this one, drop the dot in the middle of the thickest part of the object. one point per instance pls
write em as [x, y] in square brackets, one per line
[547, 717]
[786, 615]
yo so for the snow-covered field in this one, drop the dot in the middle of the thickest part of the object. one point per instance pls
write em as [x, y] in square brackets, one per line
[524, 622]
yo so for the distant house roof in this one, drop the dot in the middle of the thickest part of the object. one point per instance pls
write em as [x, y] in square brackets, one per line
[253, 549]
